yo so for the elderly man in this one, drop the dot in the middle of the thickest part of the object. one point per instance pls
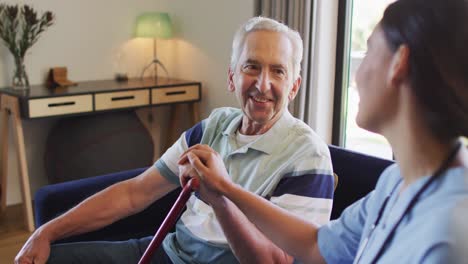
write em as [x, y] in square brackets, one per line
[264, 148]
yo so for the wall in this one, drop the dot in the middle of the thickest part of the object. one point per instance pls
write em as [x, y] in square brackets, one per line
[93, 39]
[206, 30]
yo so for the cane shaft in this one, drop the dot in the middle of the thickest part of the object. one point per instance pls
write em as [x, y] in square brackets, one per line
[168, 223]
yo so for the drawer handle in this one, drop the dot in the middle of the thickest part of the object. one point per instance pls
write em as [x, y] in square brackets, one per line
[123, 98]
[61, 104]
[176, 93]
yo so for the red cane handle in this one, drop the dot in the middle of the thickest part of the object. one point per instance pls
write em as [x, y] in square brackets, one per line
[169, 221]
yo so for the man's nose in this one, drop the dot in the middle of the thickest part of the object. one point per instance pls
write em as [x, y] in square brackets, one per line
[263, 82]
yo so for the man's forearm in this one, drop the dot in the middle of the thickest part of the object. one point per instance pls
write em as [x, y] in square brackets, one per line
[116, 202]
[246, 241]
[93, 213]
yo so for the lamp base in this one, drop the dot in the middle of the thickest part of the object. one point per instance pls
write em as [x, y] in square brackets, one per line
[121, 77]
[156, 62]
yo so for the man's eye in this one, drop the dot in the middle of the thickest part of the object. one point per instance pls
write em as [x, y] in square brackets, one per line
[250, 67]
[280, 71]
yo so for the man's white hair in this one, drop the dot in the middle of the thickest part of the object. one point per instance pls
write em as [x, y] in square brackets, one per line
[268, 24]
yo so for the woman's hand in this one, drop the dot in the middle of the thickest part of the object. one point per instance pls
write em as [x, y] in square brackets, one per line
[207, 165]
[186, 172]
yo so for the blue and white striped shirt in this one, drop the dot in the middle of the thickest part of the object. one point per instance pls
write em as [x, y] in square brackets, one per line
[289, 164]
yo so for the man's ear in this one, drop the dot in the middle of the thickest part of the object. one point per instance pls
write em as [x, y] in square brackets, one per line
[399, 67]
[231, 86]
[295, 88]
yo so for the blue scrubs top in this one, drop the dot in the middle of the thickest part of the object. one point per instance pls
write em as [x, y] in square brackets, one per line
[424, 235]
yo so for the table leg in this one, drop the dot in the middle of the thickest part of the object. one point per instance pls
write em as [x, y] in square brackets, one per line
[11, 104]
[174, 118]
[195, 109]
[147, 117]
[4, 158]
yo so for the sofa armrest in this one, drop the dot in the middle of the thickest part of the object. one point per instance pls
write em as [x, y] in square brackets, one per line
[357, 173]
[53, 200]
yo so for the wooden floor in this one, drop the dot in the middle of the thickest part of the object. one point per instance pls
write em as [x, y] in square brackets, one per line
[12, 233]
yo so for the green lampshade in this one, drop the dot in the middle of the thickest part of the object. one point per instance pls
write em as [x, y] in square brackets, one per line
[153, 25]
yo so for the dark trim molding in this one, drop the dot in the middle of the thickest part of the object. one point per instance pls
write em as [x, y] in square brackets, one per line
[341, 71]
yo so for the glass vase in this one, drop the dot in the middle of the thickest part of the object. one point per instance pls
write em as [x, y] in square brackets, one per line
[20, 77]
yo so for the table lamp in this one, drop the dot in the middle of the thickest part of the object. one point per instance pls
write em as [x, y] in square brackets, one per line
[154, 25]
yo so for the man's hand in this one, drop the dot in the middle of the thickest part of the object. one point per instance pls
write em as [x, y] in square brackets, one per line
[207, 165]
[186, 172]
[35, 251]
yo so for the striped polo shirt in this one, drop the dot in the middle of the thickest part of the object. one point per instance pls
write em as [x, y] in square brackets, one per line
[289, 165]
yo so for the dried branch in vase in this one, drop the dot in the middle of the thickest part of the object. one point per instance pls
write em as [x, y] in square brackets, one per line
[20, 28]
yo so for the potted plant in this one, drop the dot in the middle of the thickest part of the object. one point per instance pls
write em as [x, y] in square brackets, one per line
[20, 28]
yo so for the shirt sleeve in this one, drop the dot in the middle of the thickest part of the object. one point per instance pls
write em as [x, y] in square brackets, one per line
[167, 164]
[339, 240]
[307, 190]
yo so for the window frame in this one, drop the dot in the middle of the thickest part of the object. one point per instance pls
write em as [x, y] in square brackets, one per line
[342, 62]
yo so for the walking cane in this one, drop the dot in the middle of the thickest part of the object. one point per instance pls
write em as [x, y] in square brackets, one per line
[169, 221]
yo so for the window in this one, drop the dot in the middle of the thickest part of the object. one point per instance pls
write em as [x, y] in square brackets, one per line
[356, 22]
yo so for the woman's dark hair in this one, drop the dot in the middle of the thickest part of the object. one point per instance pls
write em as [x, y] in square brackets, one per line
[436, 33]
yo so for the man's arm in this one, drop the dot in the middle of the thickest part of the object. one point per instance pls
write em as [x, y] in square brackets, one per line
[111, 204]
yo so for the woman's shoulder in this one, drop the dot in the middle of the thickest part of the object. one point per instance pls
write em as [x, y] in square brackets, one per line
[453, 184]
[389, 178]
[443, 204]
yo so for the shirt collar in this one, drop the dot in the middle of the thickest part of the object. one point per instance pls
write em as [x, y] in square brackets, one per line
[279, 130]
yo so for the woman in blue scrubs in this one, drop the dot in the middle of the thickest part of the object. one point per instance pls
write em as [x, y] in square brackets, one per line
[413, 87]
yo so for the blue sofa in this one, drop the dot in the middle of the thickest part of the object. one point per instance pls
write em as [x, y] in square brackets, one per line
[357, 174]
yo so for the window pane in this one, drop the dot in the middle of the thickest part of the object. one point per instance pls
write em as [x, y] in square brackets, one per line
[365, 15]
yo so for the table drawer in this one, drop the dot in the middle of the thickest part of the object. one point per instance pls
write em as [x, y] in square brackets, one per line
[60, 105]
[175, 94]
[121, 99]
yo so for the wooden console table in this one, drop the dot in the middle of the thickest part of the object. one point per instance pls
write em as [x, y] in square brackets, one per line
[86, 98]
